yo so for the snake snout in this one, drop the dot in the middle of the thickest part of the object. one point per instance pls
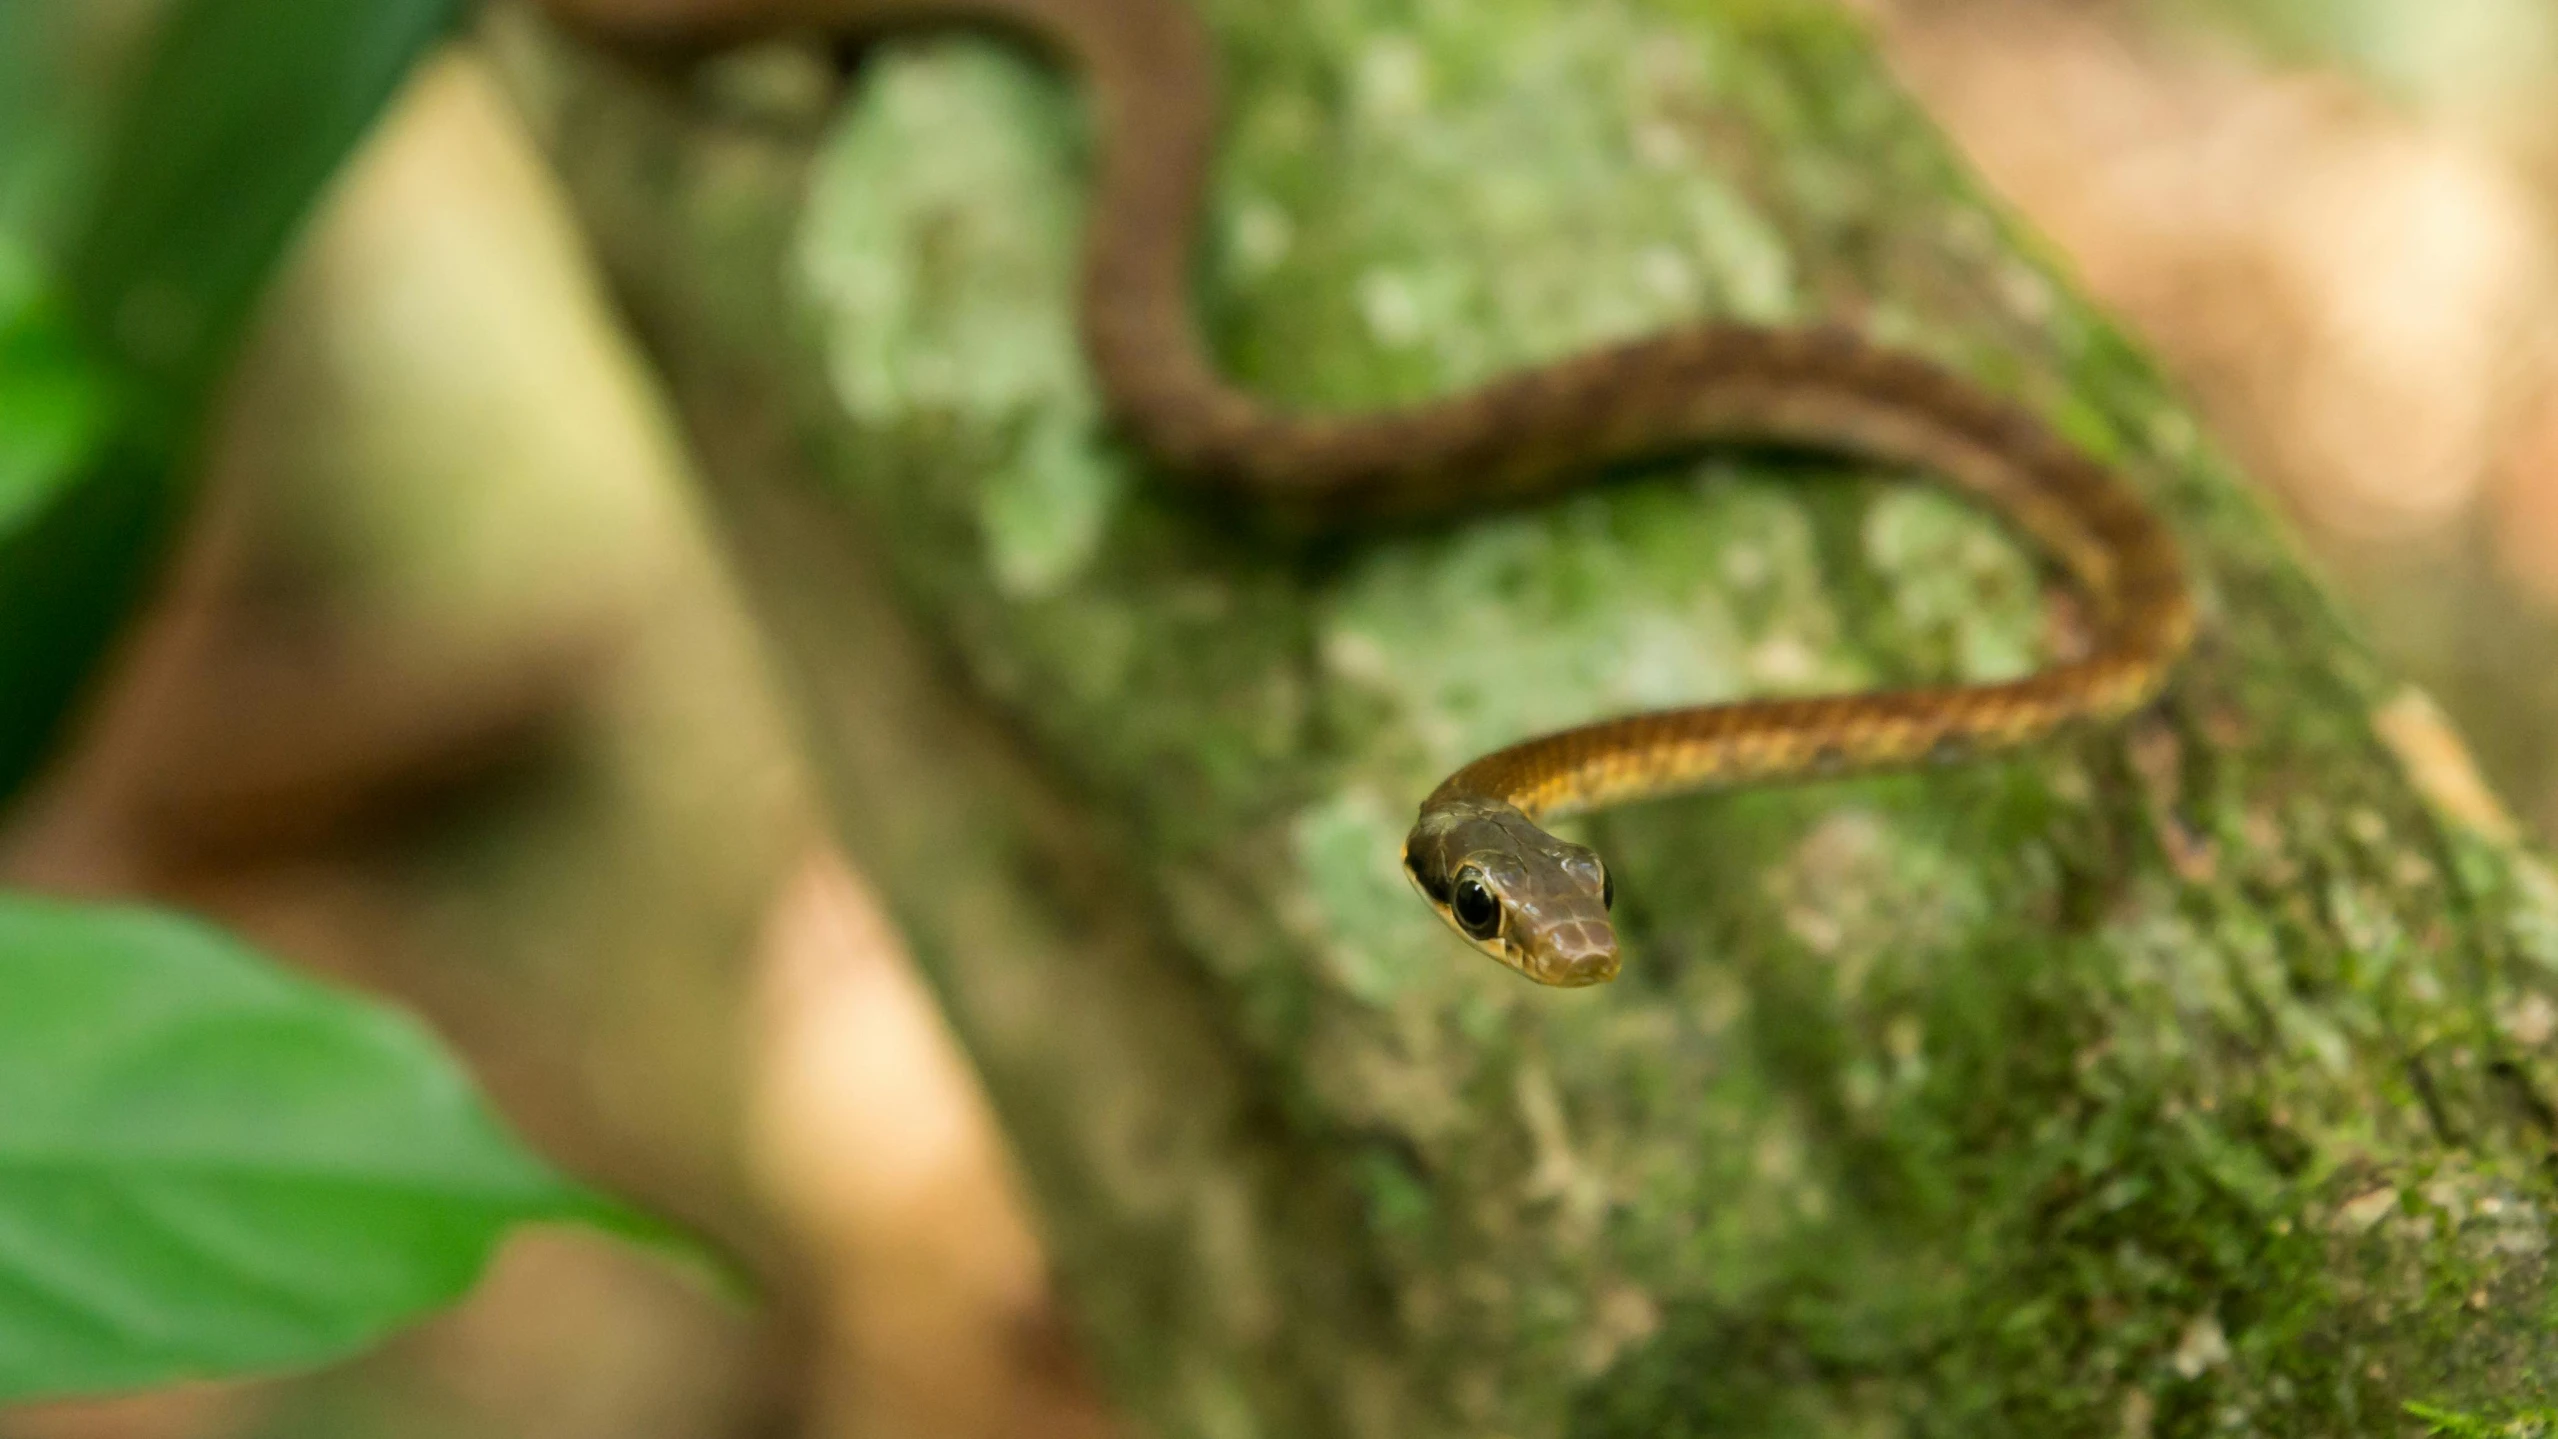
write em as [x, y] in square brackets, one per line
[1575, 954]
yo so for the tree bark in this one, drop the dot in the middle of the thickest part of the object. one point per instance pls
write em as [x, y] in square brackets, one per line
[2192, 1076]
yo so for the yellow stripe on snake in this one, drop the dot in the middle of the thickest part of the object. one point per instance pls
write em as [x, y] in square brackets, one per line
[1530, 900]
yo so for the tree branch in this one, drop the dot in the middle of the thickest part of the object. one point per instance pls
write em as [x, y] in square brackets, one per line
[2191, 1075]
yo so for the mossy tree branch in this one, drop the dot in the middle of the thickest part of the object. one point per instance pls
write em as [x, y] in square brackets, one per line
[2191, 1076]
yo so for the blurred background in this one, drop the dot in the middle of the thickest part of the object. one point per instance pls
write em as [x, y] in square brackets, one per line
[451, 697]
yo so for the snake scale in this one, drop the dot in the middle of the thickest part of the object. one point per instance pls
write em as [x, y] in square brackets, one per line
[1530, 900]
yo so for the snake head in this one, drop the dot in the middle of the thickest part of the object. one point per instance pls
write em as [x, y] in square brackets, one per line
[1531, 901]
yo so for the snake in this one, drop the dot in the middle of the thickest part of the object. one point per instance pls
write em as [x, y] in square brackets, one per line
[1479, 852]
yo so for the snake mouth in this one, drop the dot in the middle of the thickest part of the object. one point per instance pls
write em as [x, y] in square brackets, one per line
[1572, 956]
[1581, 975]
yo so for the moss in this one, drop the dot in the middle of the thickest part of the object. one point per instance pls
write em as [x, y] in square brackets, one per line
[2188, 1078]
[2524, 1423]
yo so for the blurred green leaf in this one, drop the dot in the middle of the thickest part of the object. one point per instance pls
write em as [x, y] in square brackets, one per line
[208, 1165]
[77, 493]
[54, 407]
[70, 568]
[243, 111]
[233, 123]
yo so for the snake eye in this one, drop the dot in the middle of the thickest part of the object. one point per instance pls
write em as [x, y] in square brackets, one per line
[1477, 912]
[1607, 889]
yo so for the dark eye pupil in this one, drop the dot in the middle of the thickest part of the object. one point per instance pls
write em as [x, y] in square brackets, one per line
[1607, 890]
[1477, 912]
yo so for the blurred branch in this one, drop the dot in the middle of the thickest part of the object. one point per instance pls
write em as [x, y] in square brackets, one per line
[2188, 1076]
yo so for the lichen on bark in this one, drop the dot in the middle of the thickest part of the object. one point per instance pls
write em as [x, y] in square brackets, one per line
[2190, 1077]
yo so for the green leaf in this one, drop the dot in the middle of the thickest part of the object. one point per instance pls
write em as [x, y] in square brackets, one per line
[209, 1165]
[55, 412]
[238, 119]
[70, 569]
[73, 490]
[234, 122]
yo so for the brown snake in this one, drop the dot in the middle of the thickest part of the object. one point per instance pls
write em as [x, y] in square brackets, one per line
[1528, 899]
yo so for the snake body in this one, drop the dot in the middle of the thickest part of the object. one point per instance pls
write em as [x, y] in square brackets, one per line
[1535, 902]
